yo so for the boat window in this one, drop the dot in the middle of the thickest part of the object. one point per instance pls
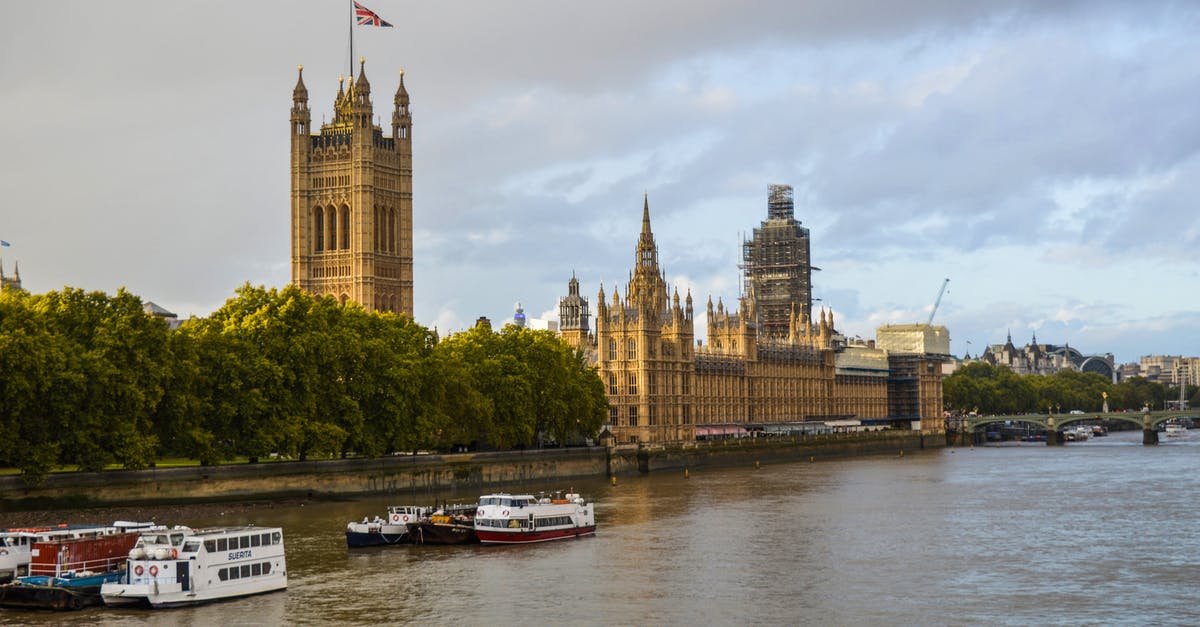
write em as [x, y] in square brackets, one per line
[266, 568]
[255, 569]
[210, 546]
[255, 540]
[266, 539]
[233, 572]
[245, 542]
[223, 574]
[191, 547]
[222, 544]
[245, 570]
[506, 502]
[277, 538]
[176, 538]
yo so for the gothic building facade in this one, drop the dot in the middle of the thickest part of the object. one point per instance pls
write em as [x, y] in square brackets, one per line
[352, 199]
[664, 386]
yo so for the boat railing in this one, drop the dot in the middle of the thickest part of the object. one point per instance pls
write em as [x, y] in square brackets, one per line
[98, 565]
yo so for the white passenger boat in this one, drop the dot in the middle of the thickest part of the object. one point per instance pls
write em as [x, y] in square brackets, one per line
[1176, 430]
[521, 518]
[201, 565]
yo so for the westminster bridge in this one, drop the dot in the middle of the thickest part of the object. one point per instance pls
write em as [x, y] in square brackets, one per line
[963, 430]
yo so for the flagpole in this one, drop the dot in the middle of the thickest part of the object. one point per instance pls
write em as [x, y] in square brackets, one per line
[350, 64]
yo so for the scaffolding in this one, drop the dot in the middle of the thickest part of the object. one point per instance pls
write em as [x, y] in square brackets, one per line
[777, 267]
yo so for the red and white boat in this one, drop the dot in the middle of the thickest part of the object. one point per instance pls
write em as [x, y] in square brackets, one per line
[519, 518]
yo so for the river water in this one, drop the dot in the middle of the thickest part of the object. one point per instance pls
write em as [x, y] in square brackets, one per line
[1097, 532]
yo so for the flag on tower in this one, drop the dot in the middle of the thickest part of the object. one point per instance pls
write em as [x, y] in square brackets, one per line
[367, 17]
[4, 243]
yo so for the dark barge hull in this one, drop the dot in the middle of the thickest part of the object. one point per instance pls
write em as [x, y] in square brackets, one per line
[433, 533]
[49, 597]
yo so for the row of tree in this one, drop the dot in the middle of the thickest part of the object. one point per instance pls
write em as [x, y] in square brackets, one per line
[90, 379]
[996, 390]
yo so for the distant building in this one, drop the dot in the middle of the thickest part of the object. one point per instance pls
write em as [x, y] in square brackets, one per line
[519, 316]
[10, 282]
[1046, 359]
[1166, 369]
[352, 200]
[170, 318]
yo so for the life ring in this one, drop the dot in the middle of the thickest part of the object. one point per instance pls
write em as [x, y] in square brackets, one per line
[406, 518]
[505, 513]
[3, 551]
[153, 570]
[395, 517]
[137, 570]
[174, 553]
[479, 512]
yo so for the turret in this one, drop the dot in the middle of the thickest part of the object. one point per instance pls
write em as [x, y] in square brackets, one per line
[401, 118]
[300, 112]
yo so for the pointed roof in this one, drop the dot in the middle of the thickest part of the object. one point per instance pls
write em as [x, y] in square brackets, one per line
[362, 84]
[300, 92]
[401, 92]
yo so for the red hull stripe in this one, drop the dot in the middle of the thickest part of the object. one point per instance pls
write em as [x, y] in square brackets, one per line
[520, 537]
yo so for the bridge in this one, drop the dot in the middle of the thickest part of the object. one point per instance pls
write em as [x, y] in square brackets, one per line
[1053, 423]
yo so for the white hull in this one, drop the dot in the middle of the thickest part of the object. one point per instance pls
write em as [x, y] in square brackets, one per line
[205, 565]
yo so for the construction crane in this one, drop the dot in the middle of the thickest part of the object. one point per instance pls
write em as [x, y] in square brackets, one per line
[937, 302]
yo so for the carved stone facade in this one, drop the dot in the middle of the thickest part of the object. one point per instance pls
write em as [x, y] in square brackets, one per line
[352, 200]
[663, 386]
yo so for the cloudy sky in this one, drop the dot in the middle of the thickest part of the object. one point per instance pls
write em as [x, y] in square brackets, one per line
[1042, 155]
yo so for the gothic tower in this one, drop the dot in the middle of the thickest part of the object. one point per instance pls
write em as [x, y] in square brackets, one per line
[352, 199]
[777, 267]
[573, 316]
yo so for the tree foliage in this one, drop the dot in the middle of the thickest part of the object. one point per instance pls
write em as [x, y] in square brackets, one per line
[996, 390]
[91, 379]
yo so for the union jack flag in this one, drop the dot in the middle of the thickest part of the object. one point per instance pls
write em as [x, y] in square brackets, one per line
[367, 17]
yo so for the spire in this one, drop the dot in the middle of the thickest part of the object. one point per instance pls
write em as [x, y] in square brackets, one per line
[362, 87]
[300, 93]
[401, 92]
[646, 214]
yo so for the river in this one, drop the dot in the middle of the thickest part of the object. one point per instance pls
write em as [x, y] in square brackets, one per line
[1097, 532]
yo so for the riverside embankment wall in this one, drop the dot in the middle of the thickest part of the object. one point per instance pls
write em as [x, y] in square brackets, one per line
[423, 474]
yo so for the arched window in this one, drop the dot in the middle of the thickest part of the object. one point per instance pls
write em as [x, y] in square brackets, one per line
[391, 230]
[319, 231]
[331, 230]
[345, 228]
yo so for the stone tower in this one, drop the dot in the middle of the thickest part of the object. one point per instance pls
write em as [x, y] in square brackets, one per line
[644, 352]
[777, 267]
[573, 316]
[352, 199]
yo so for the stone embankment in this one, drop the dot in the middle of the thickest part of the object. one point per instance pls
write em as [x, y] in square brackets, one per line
[426, 474]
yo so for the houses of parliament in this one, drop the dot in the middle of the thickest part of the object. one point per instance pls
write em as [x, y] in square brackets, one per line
[770, 364]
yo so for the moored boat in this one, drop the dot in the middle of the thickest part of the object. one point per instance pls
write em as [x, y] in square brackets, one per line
[1176, 430]
[390, 530]
[16, 544]
[450, 525]
[521, 518]
[201, 565]
[66, 573]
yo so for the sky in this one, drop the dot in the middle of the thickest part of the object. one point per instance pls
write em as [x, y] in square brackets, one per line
[1044, 156]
